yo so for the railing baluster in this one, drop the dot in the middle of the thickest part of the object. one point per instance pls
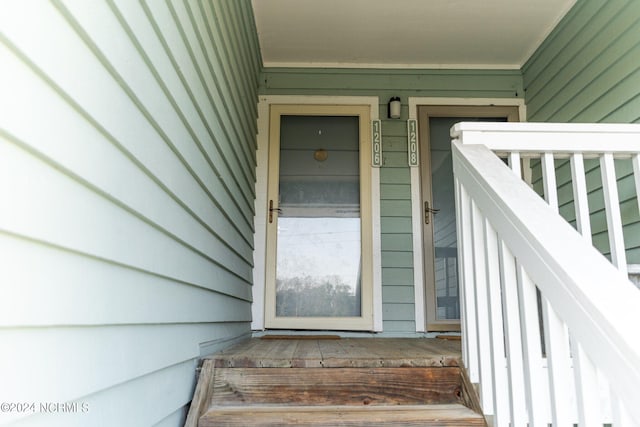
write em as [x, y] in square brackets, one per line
[620, 414]
[558, 363]
[514, 163]
[578, 178]
[467, 295]
[532, 352]
[612, 207]
[549, 180]
[635, 160]
[584, 371]
[482, 310]
[461, 265]
[587, 393]
[496, 330]
[556, 337]
[513, 340]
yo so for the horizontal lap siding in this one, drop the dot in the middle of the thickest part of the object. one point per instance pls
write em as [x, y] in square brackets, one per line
[588, 70]
[127, 168]
[395, 189]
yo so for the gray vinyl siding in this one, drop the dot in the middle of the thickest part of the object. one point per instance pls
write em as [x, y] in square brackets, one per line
[396, 239]
[127, 170]
[588, 70]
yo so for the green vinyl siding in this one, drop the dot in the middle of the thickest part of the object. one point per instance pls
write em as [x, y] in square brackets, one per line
[127, 169]
[395, 189]
[588, 70]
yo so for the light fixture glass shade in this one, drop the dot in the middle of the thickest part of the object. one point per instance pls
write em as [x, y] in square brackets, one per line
[394, 108]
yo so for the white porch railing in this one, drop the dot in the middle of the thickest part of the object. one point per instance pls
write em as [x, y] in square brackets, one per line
[511, 245]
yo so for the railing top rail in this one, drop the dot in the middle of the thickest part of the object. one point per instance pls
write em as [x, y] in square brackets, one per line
[622, 140]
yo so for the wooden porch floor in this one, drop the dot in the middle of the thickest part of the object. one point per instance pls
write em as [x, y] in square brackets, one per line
[269, 352]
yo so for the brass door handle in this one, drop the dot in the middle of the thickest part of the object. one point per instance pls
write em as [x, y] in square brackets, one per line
[271, 210]
[427, 211]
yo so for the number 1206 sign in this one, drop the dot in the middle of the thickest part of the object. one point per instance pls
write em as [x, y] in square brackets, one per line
[376, 145]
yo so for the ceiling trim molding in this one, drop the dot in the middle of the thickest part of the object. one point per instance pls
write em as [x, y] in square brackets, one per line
[273, 64]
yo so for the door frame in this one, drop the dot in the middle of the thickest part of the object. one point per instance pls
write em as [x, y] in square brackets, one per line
[364, 321]
[261, 203]
[420, 291]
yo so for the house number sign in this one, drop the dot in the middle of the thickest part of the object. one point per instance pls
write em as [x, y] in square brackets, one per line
[376, 143]
[412, 141]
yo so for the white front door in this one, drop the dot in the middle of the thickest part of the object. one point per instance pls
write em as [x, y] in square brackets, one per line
[319, 243]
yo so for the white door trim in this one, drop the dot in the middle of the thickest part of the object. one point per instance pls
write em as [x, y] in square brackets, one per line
[416, 205]
[260, 223]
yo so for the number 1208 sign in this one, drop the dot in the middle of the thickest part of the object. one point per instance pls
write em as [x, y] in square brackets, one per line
[412, 141]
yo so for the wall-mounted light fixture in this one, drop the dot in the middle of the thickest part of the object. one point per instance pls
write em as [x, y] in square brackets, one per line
[394, 107]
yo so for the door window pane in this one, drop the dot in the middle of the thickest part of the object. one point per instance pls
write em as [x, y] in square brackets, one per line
[444, 222]
[318, 256]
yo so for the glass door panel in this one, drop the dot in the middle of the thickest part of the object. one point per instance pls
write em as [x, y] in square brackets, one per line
[445, 239]
[318, 258]
[444, 222]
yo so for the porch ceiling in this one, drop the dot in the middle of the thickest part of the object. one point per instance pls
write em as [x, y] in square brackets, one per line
[404, 33]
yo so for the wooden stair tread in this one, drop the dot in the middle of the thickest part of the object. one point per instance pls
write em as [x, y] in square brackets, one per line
[402, 415]
[340, 353]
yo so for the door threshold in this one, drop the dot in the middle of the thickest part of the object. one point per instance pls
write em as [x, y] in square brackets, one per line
[300, 337]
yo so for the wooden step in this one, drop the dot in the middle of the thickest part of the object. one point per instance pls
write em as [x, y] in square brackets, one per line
[370, 416]
[336, 386]
[366, 382]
